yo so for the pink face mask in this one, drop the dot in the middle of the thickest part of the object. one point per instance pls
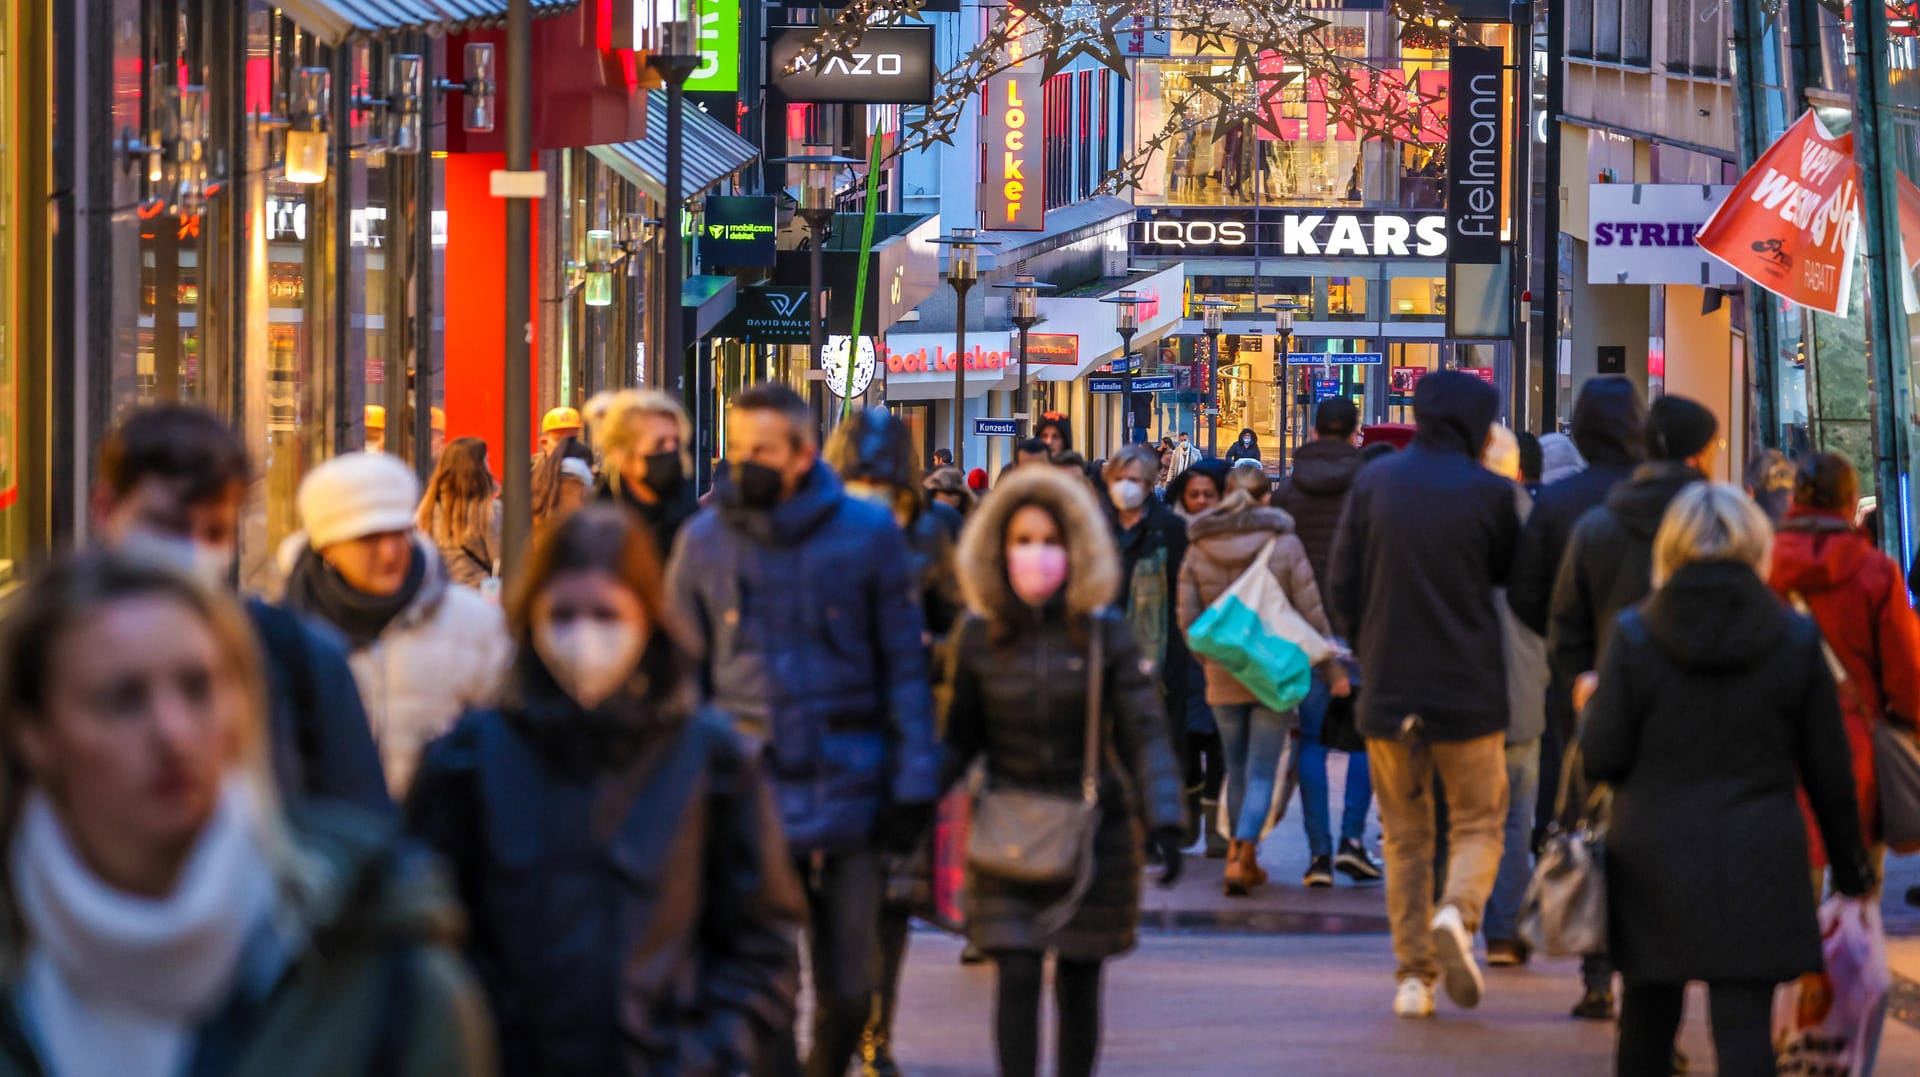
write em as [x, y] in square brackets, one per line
[1036, 571]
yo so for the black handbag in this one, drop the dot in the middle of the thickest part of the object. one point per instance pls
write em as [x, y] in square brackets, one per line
[1037, 838]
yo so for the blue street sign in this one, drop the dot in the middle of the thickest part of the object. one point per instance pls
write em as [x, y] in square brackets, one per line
[1142, 383]
[996, 428]
[1325, 389]
[1335, 359]
[1121, 366]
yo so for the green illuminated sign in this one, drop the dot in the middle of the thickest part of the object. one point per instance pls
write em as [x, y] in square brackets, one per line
[717, 26]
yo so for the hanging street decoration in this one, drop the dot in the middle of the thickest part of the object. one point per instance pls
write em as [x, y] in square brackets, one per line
[1263, 55]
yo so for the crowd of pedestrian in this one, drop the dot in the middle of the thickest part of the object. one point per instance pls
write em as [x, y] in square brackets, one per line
[687, 739]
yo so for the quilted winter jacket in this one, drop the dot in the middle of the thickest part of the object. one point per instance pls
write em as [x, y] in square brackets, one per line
[1221, 544]
[444, 656]
[812, 638]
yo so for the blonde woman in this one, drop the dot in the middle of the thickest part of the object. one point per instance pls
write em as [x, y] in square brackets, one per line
[1713, 705]
[646, 442]
[160, 909]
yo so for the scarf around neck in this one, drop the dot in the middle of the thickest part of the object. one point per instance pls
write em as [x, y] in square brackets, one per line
[316, 588]
[116, 983]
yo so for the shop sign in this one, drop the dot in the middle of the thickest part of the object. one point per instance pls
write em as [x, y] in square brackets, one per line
[1012, 196]
[1360, 233]
[1325, 389]
[1484, 373]
[1642, 233]
[1140, 37]
[934, 358]
[1053, 349]
[891, 65]
[1402, 380]
[996, 428]
[737, 230]
[1334, 358]
[717, 41]
[1790, 224]
[771, 314]
[1476, 154]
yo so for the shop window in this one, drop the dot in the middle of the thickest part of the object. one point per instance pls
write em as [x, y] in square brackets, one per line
[1346, 298]
[1417, 299]
[1697, 38]
[1580, 28]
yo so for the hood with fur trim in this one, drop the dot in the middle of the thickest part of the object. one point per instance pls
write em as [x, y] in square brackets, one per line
[1093, 574]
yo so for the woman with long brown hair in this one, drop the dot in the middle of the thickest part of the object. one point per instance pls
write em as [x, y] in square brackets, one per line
[158, 907]
[459, 514]
[633, 906]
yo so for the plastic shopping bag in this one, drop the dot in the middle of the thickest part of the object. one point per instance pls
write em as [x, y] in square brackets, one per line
[950, 862]
[1828, 1023]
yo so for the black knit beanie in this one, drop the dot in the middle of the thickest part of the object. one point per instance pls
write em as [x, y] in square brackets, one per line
[1678, 428]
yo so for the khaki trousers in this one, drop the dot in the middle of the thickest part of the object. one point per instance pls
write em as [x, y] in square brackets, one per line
[1473, 775]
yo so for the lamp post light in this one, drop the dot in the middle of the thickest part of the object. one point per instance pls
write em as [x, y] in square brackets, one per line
[963, 272]
[1025, 314]
[1283, 313]
[1126, 322]
[816, 208]
[1213, 313]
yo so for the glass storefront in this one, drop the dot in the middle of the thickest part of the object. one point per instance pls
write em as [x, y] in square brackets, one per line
[1310, 157]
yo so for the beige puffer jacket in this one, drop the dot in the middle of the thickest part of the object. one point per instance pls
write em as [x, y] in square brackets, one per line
[1220, 546]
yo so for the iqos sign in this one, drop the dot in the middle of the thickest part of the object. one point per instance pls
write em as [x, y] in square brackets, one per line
[1183, 234]
[1296, 233]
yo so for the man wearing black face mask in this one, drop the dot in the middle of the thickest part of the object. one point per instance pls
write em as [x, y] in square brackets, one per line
[802, 599]
[647, 462]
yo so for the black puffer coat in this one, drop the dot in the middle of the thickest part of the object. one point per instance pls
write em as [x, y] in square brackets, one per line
[1019, 693]
[1714, 704]
[1609, 566]
[1316, 494]
[633, 906]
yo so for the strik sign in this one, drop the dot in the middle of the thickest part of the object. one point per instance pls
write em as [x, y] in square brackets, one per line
[1642, 233]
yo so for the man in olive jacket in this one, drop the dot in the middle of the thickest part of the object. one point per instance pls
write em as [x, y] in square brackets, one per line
[1427, 537]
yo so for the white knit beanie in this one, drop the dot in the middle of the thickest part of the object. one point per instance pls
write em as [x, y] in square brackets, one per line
[356, 495]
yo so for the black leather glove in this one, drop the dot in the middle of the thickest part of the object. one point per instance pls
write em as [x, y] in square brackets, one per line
[1166, 842]
[902, 827]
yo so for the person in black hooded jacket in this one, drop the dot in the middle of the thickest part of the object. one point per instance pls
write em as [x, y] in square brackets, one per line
[633, 906]
[1427, 537]
[1607, 568]
[1609, 429]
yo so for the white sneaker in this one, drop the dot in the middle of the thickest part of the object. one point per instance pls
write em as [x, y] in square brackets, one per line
[1413, 1000]
[1453, 947]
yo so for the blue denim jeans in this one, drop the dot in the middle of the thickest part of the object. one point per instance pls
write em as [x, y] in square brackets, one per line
[1314, 790]
[1502, 918]
[1252, 738]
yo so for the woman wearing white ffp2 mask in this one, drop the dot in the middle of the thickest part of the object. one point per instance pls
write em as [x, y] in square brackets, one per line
[593, 787]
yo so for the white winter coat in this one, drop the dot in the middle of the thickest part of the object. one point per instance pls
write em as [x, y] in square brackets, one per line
[445, 655]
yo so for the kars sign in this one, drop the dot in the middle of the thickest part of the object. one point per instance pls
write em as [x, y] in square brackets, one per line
[891, 65]
[1642, 233]
[1013, 187]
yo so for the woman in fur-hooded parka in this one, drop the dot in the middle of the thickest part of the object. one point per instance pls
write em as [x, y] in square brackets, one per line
[1019, 679]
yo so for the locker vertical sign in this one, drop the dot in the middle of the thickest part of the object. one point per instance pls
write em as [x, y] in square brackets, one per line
[1013, 176]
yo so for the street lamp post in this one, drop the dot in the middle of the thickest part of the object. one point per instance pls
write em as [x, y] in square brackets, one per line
[816, 207]
[963, 271]
[1024, 315]
[676, 63]
[1126, 322]
[1283, 313]
[1213, 313]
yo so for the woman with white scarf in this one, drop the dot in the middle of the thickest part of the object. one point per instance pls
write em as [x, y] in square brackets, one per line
[161, 914]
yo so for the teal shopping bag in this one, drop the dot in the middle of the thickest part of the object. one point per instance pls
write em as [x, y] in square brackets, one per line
[1233, 633]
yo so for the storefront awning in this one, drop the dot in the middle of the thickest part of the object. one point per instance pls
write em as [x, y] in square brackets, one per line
[711, 151]
[334, 21]
[705, 301]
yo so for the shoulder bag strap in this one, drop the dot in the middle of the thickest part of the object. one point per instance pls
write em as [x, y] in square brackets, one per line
[1848, 691]
[1096, 683]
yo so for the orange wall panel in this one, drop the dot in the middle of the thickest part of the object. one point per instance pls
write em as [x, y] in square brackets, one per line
[475, 307]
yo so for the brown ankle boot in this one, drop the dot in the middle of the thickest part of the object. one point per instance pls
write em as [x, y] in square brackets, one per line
[1236, 880]
[1256, 875]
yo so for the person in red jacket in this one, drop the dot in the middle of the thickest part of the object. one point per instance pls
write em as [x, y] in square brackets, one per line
[1857, 596]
